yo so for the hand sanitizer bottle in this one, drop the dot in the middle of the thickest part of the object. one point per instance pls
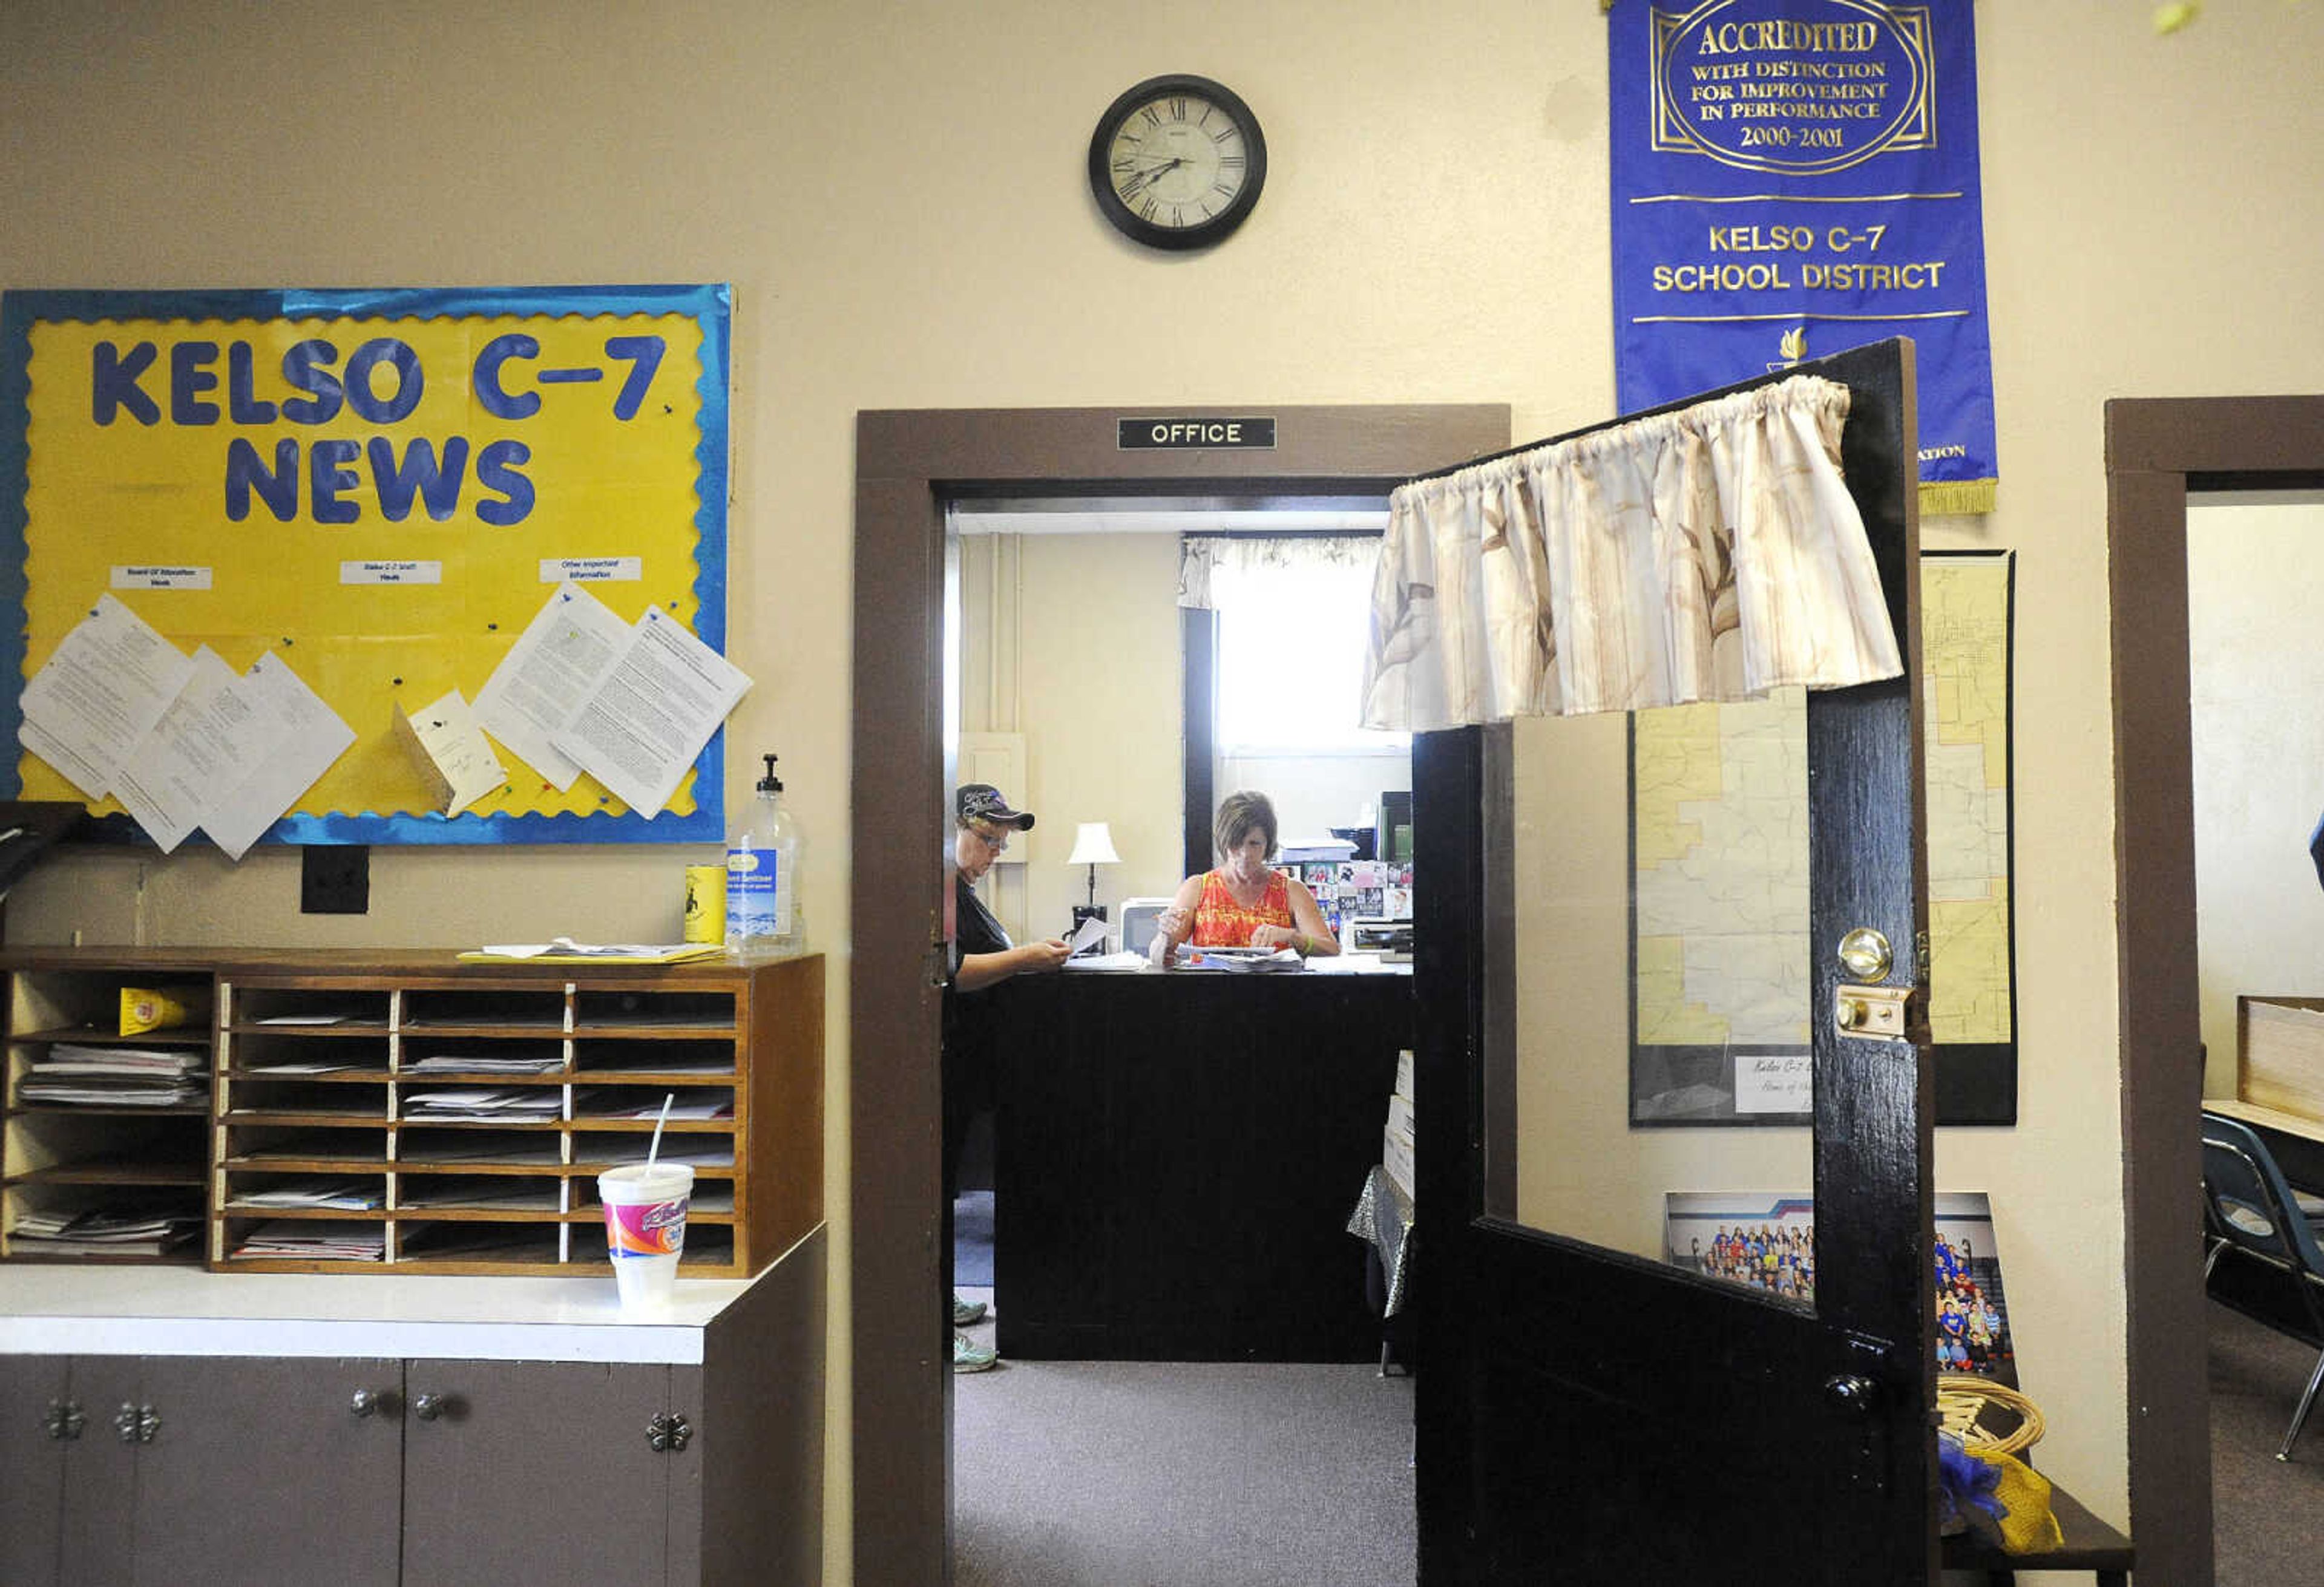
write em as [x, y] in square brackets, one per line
[763, 861]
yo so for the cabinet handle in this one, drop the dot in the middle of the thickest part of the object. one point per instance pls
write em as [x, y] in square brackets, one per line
[365, 1401]
[429, 1407]
[137, 1424]
[64, 1420]
[668, 1432]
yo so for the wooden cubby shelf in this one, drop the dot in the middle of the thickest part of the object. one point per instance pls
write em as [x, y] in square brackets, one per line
[412, 1111]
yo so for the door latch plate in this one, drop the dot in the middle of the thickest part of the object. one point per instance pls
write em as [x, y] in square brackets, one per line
[1877, 1013]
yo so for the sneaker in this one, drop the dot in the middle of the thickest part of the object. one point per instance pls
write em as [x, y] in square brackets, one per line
[969, 1356]
[966, 1312]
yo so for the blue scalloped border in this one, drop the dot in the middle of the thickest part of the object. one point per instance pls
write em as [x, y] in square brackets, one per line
[709, 305]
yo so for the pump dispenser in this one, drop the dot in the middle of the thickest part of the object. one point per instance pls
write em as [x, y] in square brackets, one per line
[763, 875]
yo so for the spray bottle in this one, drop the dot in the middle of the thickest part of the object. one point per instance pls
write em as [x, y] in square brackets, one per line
[763, 874]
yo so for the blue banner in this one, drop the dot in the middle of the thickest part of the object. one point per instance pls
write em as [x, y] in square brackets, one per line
[1795, 178]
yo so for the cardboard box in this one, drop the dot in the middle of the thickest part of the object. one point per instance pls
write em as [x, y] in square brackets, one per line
[2280, 1054]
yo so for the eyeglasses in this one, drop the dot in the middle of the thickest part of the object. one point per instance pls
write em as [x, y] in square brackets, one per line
[998, 842]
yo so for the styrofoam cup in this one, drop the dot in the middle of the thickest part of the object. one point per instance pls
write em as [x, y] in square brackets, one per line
[645, 1228]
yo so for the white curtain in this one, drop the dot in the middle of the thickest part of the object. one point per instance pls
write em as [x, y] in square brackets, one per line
[1205, 558]
[1712, 553]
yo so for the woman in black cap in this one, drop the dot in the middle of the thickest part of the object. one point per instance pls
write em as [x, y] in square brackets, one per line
[982, 955]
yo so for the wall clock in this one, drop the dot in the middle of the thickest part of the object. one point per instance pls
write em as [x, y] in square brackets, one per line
[1178, 162]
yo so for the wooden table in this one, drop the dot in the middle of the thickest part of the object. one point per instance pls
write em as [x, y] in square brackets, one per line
[2090, 1545]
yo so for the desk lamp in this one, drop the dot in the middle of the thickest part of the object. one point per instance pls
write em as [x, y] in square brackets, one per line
[1092, 847]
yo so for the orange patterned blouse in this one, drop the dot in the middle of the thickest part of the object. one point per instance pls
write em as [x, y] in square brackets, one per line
[1221, 923]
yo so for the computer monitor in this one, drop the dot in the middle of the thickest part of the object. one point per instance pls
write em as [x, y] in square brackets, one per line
[1138, 917]
[1394, 842]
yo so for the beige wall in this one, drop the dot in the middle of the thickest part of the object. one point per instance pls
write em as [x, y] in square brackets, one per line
[1072, 641]
[896, 193]
[2255, 679]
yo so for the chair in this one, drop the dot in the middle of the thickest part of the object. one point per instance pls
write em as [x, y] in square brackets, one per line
[2248, 1207]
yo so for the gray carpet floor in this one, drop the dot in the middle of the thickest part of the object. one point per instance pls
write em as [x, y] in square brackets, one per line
[1136, 1474]
[1143, 1474]
[2267, 1516]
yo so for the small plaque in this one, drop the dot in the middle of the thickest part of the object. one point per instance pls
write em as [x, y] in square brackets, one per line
[1162, 433]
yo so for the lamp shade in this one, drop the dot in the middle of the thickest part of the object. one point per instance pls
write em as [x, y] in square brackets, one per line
[1093, 845]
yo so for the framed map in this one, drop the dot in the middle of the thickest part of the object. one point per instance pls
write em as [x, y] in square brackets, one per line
[1719, 882]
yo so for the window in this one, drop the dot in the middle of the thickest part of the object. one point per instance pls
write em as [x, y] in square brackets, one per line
[1293, 624]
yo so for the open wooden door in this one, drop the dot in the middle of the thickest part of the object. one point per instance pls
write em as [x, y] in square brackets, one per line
[1588, 1412]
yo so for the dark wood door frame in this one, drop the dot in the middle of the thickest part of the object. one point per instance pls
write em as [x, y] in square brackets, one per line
[2157, 450]
[908, 463]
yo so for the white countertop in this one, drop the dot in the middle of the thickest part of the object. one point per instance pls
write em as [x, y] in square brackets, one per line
[63, 1309]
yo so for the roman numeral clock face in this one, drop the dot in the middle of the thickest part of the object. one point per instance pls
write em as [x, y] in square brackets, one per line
[1178, 162]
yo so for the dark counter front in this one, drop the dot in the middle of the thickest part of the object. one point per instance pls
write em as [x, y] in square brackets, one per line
[1175, 1159]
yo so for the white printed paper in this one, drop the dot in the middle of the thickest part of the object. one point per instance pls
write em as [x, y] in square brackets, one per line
[594, 570]
[314, 737]
[213, 729]
[100, 694]
[450, 752]
[559, 660]
[1774, 1082]
[391, 572]
[145, 577]
[642, 730]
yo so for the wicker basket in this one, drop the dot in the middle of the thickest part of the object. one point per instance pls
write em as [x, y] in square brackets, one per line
[1988, 1416]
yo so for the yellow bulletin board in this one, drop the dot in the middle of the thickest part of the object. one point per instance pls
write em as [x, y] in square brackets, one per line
[381, 489]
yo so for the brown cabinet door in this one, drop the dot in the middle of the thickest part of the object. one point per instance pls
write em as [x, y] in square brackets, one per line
[535, 1472]
[32, 1468]
[261, 1472]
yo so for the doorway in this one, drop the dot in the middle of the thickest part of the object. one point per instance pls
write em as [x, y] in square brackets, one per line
[2158, 450]
[910, 464]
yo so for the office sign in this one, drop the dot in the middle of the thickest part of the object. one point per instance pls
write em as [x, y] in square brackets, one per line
[1164, 433]
[1795, 178]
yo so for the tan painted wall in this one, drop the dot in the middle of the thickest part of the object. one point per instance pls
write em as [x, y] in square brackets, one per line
[895, 192]
[1083, 630]
[2256, 590]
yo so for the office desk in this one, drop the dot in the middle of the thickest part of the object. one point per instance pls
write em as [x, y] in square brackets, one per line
[2296, 1139]
[1173, 1156]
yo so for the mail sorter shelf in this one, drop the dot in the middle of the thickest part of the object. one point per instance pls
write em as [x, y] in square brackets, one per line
[456, 1120]
[102, 1133]
[321, 1061]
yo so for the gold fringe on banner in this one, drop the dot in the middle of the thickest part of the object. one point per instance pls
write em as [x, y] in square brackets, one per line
[1956, 498]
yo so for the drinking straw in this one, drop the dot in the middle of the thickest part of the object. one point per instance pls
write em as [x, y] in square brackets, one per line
[655, 1150]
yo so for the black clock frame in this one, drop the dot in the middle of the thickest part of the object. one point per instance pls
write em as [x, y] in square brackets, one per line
[1136, 226]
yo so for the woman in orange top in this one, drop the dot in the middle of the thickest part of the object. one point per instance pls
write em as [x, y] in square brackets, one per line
[1245, 903]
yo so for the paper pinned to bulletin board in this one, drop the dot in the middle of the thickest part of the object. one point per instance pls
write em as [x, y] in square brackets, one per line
[379, 490]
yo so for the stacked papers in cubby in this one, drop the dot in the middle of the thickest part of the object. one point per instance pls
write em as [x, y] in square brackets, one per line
[502, 1190]
[496, 1104]
[454, 1063]
[316, 1242]
[115, 1077]
[344, 1195]
[608, 1102]
[149, 1229]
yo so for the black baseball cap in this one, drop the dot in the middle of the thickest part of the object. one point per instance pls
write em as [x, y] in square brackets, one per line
[981, 802]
